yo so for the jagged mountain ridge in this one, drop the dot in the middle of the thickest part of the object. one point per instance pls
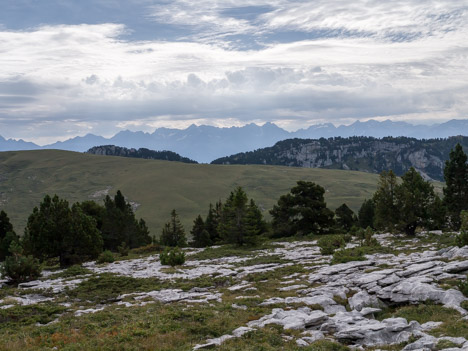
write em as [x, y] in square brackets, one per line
[112, 150]
[367, 154]
[206, 143]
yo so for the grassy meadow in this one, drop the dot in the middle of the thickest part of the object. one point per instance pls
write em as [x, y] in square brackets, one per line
[159, 186]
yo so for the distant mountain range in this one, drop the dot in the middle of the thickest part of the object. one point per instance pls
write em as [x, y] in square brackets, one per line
[366, 154]
[206, 143]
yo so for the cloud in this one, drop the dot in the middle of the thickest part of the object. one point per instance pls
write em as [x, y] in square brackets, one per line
[404, 60]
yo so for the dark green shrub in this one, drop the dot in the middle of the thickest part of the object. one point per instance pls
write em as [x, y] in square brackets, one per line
[369, 240]
[123, 249]
[172, 257]
[329, 243]
[347, 255]
[19, 268]
[151, 248]
[463, 286]
[106, 257]
[462, 238]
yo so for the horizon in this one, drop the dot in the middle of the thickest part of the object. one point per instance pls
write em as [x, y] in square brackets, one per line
[229, 127]
[70, 68]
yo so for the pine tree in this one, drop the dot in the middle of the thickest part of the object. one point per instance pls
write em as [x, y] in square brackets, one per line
[303, 211]
[212, 222]
[119, 225]
[7, 235]
[456, 185]
[240, 222]
[255, 225]
[173, 233]
[386, 211]
[415, 198]
[55, 230]
[345, 217]
[200, 236]
[366, 214]
[5, 224]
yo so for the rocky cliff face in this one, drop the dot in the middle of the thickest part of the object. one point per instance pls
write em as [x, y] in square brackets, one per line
[357, 153]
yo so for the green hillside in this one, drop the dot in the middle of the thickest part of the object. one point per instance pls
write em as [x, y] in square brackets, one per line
[158, 186]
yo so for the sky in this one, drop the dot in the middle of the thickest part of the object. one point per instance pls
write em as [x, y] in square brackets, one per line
[70, 67]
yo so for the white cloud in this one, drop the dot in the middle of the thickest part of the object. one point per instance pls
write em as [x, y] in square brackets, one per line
[73, 79]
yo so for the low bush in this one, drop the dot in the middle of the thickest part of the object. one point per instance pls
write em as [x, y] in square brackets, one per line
[463, 287]
[105, 257]
[151, 248]
[172, 257]
[347, 255]
[19, 268]
[329, 243]
[123, 249]
[462, 238]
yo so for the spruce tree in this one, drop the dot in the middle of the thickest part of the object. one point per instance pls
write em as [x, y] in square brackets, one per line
[456, 185]
[173, 233]
[200, 236]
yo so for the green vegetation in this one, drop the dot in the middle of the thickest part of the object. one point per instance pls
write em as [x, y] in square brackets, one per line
[112, 150]
[456, 189]
[345, 218]
[347, 255]
[422, 313]
[302, 211]
[19, 267]
[119, 224]
[7, 235]
[200, 235]
[329, 243]
[55, 230]
[158, 186]
[462, 238]
[241, 221]
[106, 257]
[172, 257]
[173, 233]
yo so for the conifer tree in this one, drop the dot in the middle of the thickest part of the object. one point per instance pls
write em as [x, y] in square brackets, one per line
[7, 235]
[173, 233]
[212, 222]
[200, 236]
[255, 224]
[345, 217]
[240, 222]
[366, 214]
[55, 230]
[385, 200]
[302, 211]
[415, 198]
[456, 185]
[119, 224]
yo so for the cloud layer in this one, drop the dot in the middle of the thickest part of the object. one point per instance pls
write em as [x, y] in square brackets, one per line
[295, 63]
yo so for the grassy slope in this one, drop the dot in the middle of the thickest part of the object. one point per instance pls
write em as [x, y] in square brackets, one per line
[159, 186]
